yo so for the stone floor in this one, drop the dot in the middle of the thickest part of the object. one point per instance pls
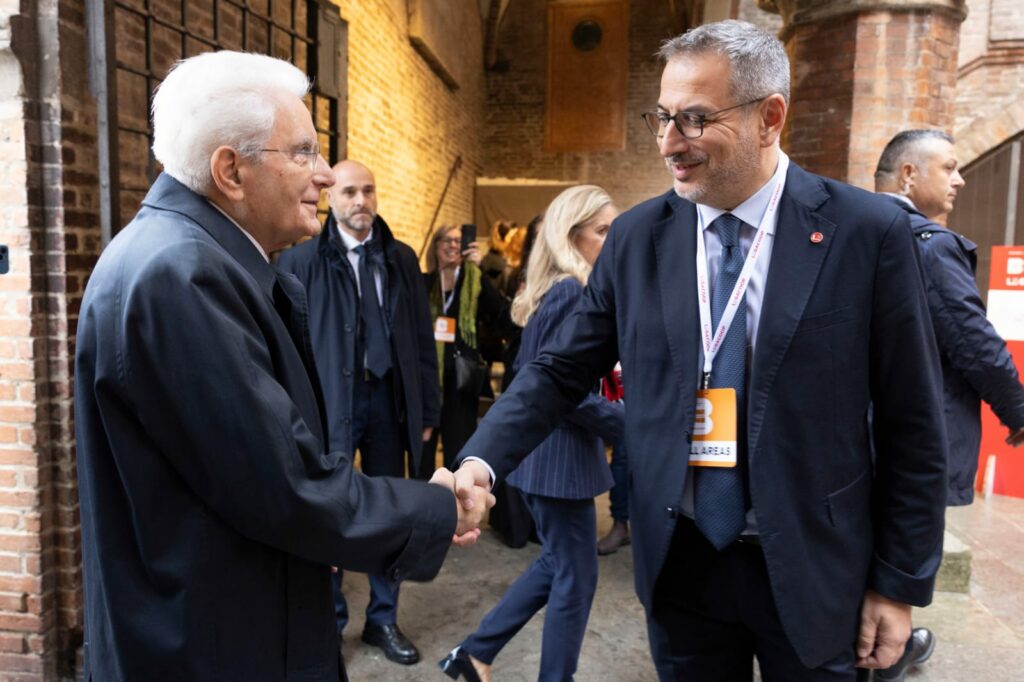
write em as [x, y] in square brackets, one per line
[981, 634]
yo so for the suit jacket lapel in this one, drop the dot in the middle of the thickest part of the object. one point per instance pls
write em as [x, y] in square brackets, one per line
[795, 264]
[675, 248]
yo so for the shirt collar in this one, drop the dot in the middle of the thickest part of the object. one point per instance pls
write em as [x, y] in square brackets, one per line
[349, 241]
[905, 199]
[244, 231]
[752, 210]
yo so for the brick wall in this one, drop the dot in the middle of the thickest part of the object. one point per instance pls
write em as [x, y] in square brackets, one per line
[514, 120]
[49, 220]
[858, 79]
[991, 73]
[406, 124]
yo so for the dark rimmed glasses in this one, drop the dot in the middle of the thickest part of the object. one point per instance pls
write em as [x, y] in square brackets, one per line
[689, 124]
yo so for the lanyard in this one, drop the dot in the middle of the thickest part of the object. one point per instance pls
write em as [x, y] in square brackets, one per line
[447, 302]
[712, 339]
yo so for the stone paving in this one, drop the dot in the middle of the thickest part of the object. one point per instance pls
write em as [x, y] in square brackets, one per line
[980, 634]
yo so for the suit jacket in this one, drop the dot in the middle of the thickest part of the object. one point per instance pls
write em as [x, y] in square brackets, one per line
[844, 322]
[324, 269]
[211, 511]
[571, 462]
[976, 365]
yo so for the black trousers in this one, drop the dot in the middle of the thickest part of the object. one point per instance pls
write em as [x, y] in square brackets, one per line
[713, 612]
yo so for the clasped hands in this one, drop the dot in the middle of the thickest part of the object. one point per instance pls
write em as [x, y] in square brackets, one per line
[471, 486]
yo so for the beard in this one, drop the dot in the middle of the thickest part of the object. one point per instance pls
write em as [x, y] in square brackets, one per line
[358, 221]
[723, 179]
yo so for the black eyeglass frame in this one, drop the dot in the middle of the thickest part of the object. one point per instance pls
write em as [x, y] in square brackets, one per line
[695, 120]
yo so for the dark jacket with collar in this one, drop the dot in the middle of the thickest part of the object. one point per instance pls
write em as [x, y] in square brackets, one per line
[843, 324]
[976, 365]
[323, 268]
[211, 510]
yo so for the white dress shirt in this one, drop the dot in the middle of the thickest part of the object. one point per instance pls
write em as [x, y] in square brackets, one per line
[750, 212]
[351, 243]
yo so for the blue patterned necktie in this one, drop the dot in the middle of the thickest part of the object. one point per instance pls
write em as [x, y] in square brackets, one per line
[375, 336]
[719, 502]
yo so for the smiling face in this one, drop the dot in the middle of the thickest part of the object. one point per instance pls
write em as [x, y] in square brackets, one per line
[726, 164]
[280, 191]
[449, 249]
[353, 198]
[935, 182]
[589, 237]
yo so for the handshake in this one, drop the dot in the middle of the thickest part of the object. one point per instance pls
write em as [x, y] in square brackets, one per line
[471, 485]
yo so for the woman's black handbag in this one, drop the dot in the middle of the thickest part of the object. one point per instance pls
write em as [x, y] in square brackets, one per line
[470, 372]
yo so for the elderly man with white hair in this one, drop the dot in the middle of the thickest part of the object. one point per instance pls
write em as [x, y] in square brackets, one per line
[211, 509]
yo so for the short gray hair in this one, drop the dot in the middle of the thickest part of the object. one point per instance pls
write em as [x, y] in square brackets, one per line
[905, 147]
[760, 66]
[218, 99]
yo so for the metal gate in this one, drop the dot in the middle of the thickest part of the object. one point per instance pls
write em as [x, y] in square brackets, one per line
[135, 42]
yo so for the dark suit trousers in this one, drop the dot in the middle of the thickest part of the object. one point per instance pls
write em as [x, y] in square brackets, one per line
[458, 422]
[714, 611]
[564, 577]
[378, 436]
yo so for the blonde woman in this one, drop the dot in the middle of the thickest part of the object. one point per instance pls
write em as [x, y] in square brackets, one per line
[561, 477]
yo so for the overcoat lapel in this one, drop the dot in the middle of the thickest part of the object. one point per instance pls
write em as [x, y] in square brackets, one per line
[795, 265]
[675, 248]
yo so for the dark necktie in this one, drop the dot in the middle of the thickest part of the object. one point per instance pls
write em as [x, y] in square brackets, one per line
[375, 337]
[719, 502]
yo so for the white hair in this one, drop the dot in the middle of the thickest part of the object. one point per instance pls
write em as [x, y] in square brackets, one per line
[218, 99]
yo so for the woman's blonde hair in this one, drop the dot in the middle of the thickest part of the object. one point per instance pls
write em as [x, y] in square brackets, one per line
[439, 234]
[554, 256]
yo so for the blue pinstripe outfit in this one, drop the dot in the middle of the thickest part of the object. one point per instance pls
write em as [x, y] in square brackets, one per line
[560, 479]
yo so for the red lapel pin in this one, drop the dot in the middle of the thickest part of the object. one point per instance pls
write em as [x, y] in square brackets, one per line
[817, 237]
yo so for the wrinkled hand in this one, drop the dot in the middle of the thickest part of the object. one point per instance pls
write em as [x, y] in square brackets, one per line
[1016, 438]
[884, 631]
[470, 507]
[472, 254]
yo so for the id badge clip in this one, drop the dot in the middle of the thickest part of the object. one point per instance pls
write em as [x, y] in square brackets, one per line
[444, 329]
[714, 429]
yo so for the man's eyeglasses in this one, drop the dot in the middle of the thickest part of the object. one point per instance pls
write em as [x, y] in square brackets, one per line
[688, 124]
[304, 155]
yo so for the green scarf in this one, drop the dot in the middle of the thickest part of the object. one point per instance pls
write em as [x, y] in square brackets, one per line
[469, 298]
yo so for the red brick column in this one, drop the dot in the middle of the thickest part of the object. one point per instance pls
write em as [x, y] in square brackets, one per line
[49, 220]
[863, 71]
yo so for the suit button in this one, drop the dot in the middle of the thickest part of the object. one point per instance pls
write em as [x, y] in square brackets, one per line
[346, 372]
[348, 328]
[673, 512]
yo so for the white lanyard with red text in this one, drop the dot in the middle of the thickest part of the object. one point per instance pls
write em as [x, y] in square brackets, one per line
[712, 339]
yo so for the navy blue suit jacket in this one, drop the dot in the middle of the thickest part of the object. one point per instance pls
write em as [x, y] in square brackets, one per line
[323, 268]
[844, 323]
[976, 364]
[571, 462]
[211, 510]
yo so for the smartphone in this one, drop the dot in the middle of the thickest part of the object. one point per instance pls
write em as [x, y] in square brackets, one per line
[468, 236]
[5, 260]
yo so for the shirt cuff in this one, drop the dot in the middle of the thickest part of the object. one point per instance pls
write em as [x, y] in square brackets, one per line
[486, 466]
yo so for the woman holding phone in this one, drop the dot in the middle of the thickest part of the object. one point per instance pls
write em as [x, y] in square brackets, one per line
[462, 302]
[561, 477]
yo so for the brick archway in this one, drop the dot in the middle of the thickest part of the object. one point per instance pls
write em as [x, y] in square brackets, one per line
[988, 132]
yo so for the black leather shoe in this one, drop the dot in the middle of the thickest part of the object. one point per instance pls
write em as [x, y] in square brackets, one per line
[457, 664]
[396, 646]
[919, 649]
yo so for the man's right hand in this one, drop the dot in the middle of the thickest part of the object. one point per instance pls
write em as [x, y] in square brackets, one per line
[472, 474]
[470, 507]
